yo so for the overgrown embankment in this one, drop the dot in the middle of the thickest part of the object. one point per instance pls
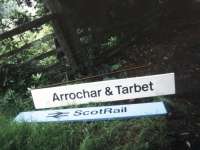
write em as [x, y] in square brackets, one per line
[143, 134]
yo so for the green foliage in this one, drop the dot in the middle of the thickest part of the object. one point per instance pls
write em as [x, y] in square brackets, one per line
[117, 135]
[20, 79]
[12, 103]
[111, 42]
[141, 134]
[48, 61]
[37, 80]
[13, 14]
[115, 67]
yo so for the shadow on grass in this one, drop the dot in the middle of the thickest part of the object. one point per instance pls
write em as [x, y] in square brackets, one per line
[140, 134]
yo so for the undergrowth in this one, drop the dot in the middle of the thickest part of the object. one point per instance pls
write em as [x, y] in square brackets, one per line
[134, 134]
[142, 134]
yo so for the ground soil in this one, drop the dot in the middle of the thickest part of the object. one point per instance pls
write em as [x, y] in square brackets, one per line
[176, 48]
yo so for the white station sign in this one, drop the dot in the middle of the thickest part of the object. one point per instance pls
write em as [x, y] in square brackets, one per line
[104, 91]
[94, 113]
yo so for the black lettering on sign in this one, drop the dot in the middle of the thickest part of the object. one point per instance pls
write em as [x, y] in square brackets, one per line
[125, 90]
[77, 112]
[94, 112]
[100, 111]
[108, 110]
[116, 111]
[78, 95]
[95, 93]
[108, 91]
[55, 97]
[145, 87]
[86, 113]
[58, 114]
[151, 86]
[124, 109]
[119, 110]
[136, 88]
[118, 89]
[72, 96]
[99, 93]
[62, 96]
[86, 94]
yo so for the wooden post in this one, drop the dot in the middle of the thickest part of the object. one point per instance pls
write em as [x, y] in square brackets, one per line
[27, 26]
[65, 33]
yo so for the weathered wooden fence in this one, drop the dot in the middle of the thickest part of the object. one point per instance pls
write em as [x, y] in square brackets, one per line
[30, 65]
[65, 33]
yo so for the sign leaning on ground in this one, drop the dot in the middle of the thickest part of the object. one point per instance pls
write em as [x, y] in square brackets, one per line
[103, 91]
[94, 113]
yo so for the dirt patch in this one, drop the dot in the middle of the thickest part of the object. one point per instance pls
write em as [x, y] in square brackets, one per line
[179, 53]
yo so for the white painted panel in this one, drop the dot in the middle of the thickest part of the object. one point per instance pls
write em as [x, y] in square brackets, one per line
[112, 90]
[94, 113]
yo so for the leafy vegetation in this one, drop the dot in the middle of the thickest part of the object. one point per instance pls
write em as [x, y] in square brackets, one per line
[103, 54]
[128, 134]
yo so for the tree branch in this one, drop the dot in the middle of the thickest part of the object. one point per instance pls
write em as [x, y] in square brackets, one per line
[26, 46]
[27, 26]
[40, 57]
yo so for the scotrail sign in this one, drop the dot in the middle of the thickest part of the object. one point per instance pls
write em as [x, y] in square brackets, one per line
[94, 113]
[112, 90]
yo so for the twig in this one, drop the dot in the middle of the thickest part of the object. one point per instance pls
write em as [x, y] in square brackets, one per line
[100, 75]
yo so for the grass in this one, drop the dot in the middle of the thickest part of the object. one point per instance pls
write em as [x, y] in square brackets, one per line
[136, 134]
[141, 134]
